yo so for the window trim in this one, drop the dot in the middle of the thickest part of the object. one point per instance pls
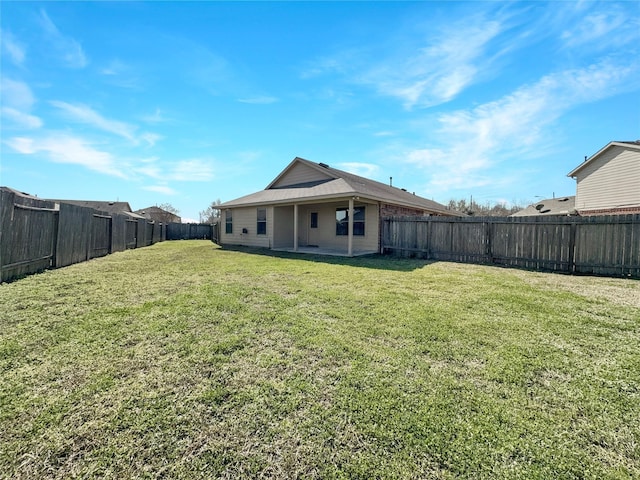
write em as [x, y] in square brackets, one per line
[228, 221]
[359, 229]
[261, 225]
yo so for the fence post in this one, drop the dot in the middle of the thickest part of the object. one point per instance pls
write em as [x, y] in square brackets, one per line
[89, 237]
[54, 237]
[429, 233]
[488, 239]
[572, 247]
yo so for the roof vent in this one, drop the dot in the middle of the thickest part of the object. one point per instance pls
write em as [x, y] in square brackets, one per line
[539, 206]
[403, 189]
[563, 199]
[323, 165]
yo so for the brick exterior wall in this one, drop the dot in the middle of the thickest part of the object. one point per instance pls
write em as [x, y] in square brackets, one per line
[387, 210]
[610, 211]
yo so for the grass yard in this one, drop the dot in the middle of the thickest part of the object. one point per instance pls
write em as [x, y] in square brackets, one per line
[184, 360]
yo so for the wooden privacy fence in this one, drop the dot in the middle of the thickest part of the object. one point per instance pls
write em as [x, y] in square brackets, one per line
[39, 234]
[598, 245]
[192, 231]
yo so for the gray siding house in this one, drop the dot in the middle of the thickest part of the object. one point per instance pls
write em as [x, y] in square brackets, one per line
[609, 181]
[311, 207]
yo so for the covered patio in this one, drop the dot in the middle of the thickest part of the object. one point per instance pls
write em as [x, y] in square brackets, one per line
[334, 252]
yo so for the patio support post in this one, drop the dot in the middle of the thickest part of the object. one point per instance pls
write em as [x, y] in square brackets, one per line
[350, 248]
[295, 227]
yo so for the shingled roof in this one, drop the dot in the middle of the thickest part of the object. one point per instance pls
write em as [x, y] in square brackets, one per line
[549, 206]
[336, 183]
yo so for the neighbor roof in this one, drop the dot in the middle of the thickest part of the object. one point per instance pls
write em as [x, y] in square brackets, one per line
[549, 206]
[338, 184]
[109, 207]
[635, 144]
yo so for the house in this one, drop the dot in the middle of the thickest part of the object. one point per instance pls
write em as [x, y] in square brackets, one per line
[550, 206]
[112, 208]
[311, 207]
[158, 214]
[609, 182]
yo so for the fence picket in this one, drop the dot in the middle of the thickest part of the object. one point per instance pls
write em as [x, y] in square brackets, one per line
[39, 234]
[598, 245]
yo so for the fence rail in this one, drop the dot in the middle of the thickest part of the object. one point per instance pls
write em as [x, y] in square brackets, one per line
[39, 234]
[602, 245]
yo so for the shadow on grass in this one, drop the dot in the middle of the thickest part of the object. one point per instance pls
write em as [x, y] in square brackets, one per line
[373, 261]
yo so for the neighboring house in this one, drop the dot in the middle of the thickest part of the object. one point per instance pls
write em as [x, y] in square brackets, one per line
[158, 214]
[609, 182]
[312, 207]
[111, 208]
[550, 206]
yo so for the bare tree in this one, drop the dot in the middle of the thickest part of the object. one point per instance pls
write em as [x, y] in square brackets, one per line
[169, 208]
[473, 208]
[211, 213]
[168, 215]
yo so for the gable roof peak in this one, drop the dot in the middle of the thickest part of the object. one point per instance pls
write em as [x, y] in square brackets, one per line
[634, 144]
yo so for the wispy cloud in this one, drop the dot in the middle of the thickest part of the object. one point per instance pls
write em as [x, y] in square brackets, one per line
[155, 117]
[358, 168]
[514, 127]
[66, 48]
[425, 72]
[194, 170]
[604, 27]
[62, 148]
[340, 63]
[115, 67]
[121, 75]
[150, 138]
[84, 114]
[17, 102]
[21, 119]
[164, 189]
[16, 94]
[12, 47]
[262, 100]
[440, 70]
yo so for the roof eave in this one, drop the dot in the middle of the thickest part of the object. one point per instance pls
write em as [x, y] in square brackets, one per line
[333, 197]
[575, 171]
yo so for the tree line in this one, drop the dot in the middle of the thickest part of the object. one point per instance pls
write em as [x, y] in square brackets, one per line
[476, 209]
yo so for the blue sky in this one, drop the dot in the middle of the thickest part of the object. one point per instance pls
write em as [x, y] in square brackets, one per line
[185, 103]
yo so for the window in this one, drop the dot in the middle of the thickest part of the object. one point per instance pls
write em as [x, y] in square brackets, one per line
[228, 221]
[262, 221]
[342, 221]
[314, 219]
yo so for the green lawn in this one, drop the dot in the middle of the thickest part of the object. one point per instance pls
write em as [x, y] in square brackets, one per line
[184, 360]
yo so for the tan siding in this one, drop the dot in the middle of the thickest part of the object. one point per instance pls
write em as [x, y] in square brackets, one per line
[283, 227]
[300, 173]
[611, 180]
[247, 218]
[325, 235]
